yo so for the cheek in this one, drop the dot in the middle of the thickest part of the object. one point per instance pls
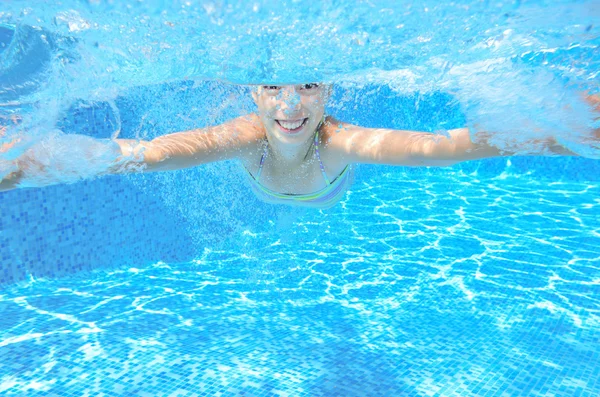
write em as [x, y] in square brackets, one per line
[315, 106]
[267, 106]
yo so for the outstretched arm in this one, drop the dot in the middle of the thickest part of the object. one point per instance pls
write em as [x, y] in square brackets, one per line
[42, 165]
[412, 148]
[190, 148]
[9, 173]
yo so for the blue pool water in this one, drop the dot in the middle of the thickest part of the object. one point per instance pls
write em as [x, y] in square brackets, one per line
[480, 279]
[450, 285]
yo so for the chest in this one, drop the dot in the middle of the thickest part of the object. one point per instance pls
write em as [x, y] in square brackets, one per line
[303, 179]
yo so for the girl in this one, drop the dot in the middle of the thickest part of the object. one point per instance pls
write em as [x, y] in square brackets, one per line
[292, 152]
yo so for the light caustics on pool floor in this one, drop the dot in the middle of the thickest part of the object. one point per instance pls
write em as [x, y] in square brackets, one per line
[439, 287]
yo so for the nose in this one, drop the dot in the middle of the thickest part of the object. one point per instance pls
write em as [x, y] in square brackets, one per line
[290, 101]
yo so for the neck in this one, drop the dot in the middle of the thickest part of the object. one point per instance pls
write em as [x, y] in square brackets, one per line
[291, 155]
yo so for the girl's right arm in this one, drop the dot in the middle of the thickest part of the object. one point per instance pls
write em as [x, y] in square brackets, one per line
[236, 138]
[233, 139]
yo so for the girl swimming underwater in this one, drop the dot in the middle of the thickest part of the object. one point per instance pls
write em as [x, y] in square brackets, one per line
[292, 152]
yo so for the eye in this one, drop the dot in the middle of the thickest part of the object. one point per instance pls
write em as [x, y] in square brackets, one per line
[308, 89]
[271, 90]
[309, 86]
[271, 87]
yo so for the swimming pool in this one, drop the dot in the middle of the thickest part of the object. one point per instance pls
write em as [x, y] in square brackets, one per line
[480, 279]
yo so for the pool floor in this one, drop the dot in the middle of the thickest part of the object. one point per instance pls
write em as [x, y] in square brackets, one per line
[411, 289]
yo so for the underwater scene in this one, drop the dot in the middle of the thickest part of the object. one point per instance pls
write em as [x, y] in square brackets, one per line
[384, 261]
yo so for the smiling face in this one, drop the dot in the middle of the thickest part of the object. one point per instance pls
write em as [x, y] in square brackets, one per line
[291, 113]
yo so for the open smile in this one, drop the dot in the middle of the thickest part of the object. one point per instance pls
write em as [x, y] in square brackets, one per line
[291, 126]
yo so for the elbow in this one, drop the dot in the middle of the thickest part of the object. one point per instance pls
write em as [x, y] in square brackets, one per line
[10, 181]
[10, 175]
[434, 151]
[439, 154]
[138, 156]
[6, 185]
[150, 153]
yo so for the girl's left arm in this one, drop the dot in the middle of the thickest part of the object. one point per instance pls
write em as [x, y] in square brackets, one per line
[412, 148]
[408, 148]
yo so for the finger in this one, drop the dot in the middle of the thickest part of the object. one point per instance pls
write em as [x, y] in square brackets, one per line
[6, 146]
[14, 118]
[593, 100]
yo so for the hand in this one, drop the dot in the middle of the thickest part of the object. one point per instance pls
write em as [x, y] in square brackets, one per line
[5, 147]
[66, 158]
[8, 167]
[588, 144]
[594, 102]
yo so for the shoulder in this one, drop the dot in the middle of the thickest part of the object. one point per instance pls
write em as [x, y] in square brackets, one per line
[248, 127]
[236, 138]
[339, 138]
[336, 140]
[250, 132]
[336, 133]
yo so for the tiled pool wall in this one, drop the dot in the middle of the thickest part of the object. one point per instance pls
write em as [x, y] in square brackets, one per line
[135, 219]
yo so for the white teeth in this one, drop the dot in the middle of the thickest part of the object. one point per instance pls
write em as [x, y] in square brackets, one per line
[290, 125]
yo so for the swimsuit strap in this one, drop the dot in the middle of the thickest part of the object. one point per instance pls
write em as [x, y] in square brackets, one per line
[262, 162]
[319, 158]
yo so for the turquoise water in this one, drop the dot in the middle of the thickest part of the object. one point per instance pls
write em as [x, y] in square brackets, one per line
[444, 286]
[480, 279]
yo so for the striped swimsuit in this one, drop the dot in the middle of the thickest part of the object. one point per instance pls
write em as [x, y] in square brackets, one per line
[324, 198]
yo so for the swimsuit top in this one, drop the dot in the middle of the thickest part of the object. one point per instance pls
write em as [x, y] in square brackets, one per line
[324, 198]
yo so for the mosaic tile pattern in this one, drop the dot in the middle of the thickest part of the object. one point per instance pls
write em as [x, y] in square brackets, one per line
[139, 219]
[408, 288]
[63, 229]
[475, 280]
[480, 280]
[143, 218]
